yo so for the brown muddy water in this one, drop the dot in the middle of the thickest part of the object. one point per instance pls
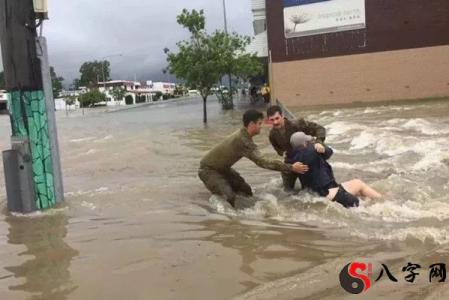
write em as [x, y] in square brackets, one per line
[138, 224]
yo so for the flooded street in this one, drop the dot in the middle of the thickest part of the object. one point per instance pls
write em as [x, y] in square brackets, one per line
[139, 224]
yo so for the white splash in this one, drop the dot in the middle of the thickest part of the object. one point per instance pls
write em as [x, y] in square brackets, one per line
[82, 140]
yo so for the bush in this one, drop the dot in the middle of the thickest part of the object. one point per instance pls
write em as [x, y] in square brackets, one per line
[140, 99]
[129, 100]
[158, 96]
[91, 98]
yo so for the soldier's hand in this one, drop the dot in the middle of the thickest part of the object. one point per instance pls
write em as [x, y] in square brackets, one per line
[300, 168]
[319, 148]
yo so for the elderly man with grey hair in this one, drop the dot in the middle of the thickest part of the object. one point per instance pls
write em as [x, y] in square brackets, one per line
[320, 177]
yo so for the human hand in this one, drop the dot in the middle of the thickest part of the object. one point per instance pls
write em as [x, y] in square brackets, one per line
[300, 168]
[319, 148]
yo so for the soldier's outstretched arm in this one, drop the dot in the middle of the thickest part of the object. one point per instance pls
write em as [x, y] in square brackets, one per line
[252, 153]
[314, 129]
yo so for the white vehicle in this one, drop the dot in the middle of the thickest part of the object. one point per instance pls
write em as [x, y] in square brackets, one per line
[194, 93]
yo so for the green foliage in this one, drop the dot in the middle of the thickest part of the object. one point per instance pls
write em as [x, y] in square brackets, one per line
[92, 73]
[129, 100]
[91, 98]
[158, 96]
[180, 90]
[247, 66]
[70, 100]
[196, 61]
[205, 58]
[76, 84]
[2, 81]
[118, 93]
[56, 82]
[193, 21]
[140, 99]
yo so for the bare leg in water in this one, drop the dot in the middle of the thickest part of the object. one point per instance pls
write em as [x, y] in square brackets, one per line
[356, 187]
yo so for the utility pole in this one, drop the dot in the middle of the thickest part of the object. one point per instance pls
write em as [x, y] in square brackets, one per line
[104, 79]
[225, 19]
[226, 31]
[30, 165]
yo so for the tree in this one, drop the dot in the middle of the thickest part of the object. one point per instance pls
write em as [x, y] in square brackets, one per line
[236, 62]
[180, 90]
[118, 93]
[247, 66]
[2, 80]
[91, 98]
[56, 83]
[129, 100]
[76, 84]
[92, 73]
[205, 58]
[70, 100]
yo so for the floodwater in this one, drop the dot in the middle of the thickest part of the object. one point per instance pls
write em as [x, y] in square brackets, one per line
[138, 224]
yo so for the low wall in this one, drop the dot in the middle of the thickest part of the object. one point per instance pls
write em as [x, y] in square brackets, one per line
[382, 76]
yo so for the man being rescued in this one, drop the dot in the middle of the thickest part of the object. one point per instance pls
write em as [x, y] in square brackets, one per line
[216, 170]
[320, 177]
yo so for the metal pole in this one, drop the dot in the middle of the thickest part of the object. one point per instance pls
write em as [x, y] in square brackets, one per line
[104, 80]
[224, 15]
[42, 54]
[28, 108]
[226, 31]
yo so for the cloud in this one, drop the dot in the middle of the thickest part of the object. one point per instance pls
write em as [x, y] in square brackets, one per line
[85, 30]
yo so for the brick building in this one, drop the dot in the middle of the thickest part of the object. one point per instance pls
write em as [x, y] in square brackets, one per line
[346, 51]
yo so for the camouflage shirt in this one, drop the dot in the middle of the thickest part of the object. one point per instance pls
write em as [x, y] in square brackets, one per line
[233, 148]
[280, 138]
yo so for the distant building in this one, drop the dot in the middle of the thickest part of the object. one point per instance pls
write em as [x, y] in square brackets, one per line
[134, 89]
[166, 88]
[259, 43]
[346, 51]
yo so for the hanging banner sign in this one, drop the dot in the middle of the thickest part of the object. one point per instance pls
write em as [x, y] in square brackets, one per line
[312, 17]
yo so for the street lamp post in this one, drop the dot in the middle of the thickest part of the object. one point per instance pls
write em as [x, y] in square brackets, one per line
[226, 32]
[224, 16]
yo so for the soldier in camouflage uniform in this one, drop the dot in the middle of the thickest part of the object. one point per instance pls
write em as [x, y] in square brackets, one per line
[216, 170]
[280, 135]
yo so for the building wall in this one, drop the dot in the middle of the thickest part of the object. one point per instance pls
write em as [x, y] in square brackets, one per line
[257, 5]
[390, 25]
[401, 54]
[381, 76]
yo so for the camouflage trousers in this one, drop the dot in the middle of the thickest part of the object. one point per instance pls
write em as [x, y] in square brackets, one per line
[289, 181]
[226, 184]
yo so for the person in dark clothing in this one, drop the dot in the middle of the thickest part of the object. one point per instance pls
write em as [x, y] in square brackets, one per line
[216, 170]
[281, 132]
[320, 177]
[253, 94]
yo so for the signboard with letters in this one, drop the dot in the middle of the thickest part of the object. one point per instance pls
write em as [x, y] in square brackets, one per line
[312, 17]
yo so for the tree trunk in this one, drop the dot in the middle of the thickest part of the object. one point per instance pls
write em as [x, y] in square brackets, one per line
[231, 96]
[204, 110]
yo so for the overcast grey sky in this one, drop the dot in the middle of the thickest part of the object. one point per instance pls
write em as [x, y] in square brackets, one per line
[84, 30]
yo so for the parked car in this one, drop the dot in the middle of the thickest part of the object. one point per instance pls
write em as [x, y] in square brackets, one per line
[194, 93]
